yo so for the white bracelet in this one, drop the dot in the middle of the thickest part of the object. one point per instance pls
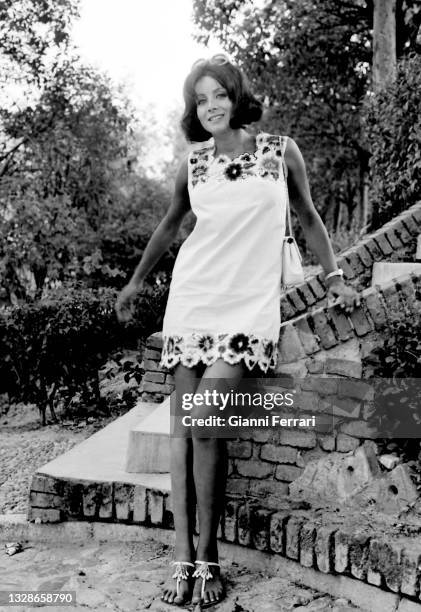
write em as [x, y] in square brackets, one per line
[338, 272]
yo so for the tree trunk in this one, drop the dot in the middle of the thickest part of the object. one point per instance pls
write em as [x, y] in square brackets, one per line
[384, 73]
[365, 209]
[384, 43]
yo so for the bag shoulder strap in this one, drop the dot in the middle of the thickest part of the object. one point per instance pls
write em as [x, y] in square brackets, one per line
[283, 144]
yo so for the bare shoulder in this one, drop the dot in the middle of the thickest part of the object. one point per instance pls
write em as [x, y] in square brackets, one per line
[293, 155]
[180, 202]
[181, 178]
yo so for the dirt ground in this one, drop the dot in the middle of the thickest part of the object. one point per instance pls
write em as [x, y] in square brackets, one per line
[25, 446]
[128, 577]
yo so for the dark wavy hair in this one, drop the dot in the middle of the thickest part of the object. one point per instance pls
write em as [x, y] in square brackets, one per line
[247, 109]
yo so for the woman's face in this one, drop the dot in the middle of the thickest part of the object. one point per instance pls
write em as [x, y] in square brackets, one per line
[214, 108]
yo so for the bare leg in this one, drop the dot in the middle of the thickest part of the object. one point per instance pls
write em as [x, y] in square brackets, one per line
[182, 491]
[210, 471]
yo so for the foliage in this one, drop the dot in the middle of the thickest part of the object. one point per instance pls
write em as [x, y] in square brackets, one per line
[310, 61]
[51, 350]
[75, 203]
[56, 343]
[32, 31]
[175, 142]
[127, 226]
[395, 368]
[393, 120]
[42, 240]
[73, 140]
[47, 242]
[72, 205]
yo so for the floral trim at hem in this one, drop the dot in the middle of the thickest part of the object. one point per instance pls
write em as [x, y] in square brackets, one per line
[207, 348]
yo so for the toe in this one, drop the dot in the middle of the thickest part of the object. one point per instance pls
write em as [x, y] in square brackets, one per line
[208, 597]
[196, 594]
[168, 596]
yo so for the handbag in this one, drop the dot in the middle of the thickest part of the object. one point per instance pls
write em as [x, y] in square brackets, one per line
[292, 272]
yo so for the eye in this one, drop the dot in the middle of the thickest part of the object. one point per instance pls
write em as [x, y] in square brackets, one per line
[198, 102]
[222, 94]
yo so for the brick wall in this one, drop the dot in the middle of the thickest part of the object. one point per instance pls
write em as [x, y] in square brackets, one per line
[157, 383]
[321, 356]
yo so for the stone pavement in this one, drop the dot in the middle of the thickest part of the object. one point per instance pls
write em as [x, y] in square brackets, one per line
[128, 576]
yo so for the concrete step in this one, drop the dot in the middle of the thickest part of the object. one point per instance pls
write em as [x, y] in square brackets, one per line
[148, 448]
[102, 458]
[384, 271]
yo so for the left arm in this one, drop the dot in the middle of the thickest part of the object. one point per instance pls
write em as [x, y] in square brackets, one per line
[313, 227]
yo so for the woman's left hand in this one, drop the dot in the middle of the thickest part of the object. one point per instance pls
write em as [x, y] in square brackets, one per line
[342, 295]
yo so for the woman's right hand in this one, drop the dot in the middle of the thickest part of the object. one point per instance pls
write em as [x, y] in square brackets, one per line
[124, 304]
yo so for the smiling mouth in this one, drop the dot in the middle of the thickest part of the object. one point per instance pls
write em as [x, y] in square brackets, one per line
[215, 117]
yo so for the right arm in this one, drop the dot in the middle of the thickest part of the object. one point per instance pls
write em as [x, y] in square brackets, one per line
[158, 243]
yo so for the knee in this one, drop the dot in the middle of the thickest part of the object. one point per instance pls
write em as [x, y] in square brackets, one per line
[199, 412]
[203, 407]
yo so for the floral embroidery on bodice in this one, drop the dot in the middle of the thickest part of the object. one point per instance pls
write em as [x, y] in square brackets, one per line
[265, 161]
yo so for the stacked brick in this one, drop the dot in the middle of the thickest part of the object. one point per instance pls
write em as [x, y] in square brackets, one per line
[53, 500]
[391, 242]
[157, 383]
[328, 327]
[264, 461]
[360, 553]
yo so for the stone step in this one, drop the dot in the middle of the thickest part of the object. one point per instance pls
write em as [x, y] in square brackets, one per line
[102, 458]
[148, 448]
[384, 271]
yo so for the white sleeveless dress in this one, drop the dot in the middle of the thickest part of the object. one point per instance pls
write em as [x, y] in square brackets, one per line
[224, 298]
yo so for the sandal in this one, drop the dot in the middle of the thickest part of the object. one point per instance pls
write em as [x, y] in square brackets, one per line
[181, 573]
[205, 573]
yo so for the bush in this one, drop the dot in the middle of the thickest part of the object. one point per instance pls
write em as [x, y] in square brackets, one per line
[396, 366]
[393, 129]
[47, 242]
[51, 350]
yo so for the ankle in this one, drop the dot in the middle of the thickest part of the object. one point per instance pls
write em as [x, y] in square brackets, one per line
[207, 554]
[183, 553]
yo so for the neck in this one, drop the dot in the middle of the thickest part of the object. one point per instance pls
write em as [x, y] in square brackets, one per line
[230, 142]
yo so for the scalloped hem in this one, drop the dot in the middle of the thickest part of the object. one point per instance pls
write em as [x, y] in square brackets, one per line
[207, 348]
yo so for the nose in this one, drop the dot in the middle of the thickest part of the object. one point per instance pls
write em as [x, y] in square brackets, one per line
[212, 105]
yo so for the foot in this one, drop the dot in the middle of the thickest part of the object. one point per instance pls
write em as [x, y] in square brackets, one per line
[208, 588]
[178, 588]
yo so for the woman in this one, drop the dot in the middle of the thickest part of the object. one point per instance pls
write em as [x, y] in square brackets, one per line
[223, 312]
